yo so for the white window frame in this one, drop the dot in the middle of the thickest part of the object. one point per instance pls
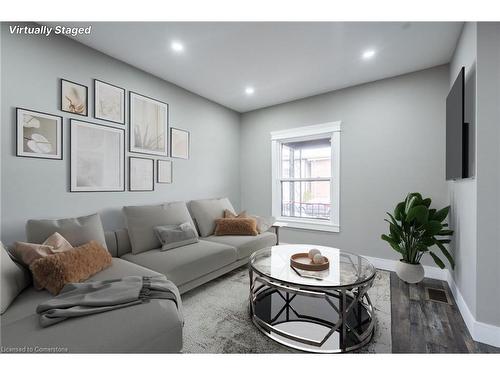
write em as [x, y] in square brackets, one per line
[329, 129]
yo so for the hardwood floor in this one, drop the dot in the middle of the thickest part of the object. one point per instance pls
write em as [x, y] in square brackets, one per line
[423, 326]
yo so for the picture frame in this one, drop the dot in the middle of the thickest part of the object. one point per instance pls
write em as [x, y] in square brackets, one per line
[164, 171]
[179, 143]
[97, 157]
[148, 125]
[74, 98]
[109, 102]
[38, 134]
[141, 174]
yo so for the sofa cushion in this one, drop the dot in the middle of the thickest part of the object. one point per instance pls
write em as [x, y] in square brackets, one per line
[13, 279]
[77, 231]
[153, 327]
[186, 263]
[141, 221]
[246, 245]
[206, 211]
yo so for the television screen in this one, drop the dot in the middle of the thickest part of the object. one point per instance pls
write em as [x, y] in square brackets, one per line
[456, 134]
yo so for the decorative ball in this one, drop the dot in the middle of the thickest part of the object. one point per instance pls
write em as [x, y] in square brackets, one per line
[313, 252]
[318, 259]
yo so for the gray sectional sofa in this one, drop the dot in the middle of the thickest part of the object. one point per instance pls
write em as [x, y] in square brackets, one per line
[154, 327]
[192, 265]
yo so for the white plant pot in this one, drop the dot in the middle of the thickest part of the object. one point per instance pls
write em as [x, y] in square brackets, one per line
[411, 273]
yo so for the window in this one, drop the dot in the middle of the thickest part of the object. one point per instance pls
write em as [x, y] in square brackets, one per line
[306, 176]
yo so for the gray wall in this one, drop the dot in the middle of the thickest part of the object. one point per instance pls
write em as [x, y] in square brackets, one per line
[475, 201]
[36, 188]
[463, 214]
[488, 173]
[1, 59]
[392, 143]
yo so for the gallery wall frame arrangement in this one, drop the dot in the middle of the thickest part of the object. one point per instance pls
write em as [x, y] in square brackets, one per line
[74, 97]
[164, 171]
[98, 151]
[38, 134]
[109, 102]
[141, 174]
[179, 143]
[148, 125]
[97, 157]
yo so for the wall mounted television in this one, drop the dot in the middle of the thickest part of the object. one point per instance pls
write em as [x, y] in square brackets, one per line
[457, 131]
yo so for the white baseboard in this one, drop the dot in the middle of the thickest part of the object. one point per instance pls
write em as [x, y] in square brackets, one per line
[481, 332]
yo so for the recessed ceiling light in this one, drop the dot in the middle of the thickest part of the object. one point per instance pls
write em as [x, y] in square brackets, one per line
[177, 46]
[368, 54]
[249, 90]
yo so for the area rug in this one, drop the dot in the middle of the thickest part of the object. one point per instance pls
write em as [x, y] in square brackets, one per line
[217, 318]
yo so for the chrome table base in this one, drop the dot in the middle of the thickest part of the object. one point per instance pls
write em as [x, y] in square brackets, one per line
[317, 320]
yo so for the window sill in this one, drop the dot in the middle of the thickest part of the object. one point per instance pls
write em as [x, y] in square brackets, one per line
[285, 222]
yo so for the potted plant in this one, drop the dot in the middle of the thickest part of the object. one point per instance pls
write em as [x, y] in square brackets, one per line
[414, 229]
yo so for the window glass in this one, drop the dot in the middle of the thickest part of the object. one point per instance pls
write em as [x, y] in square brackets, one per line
[306, 159]
[307, 199]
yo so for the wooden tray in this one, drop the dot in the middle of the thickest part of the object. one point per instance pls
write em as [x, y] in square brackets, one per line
[303, 262]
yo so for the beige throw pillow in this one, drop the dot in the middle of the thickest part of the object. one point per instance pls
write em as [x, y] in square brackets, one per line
[27, 253]
[228, 214]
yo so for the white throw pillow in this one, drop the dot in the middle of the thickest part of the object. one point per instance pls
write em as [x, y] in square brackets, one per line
[264, 223]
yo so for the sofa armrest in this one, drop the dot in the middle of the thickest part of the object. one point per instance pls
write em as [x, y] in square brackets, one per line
[276, 229]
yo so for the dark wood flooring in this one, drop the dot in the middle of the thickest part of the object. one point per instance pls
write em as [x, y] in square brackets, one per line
[423, 326]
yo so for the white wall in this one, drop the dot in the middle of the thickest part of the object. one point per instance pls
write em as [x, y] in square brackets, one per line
[463, 214]
[37, 188]
[392, 143]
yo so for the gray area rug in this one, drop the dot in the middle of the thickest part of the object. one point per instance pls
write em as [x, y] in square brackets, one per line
[217, 318]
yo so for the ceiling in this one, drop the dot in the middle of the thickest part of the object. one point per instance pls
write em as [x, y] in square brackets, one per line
[281, 61]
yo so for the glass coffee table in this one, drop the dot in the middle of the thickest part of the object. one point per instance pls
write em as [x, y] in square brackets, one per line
[314, 311]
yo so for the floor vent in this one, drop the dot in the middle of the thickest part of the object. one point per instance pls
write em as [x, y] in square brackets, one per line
[438, 295]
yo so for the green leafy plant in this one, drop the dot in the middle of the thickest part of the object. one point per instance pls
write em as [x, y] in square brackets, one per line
[415, 228]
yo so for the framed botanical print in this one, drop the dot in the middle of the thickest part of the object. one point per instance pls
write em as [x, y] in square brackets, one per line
[179, 143]
[74, 98]
[148, 132]
[39, 134]
[109, 102]
[141, 174]
[97, 157]
[164, 171]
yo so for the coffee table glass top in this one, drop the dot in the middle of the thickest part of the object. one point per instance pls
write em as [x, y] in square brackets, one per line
[345, 268]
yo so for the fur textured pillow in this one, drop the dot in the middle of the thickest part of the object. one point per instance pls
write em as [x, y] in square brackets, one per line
[263, 223]
[72, 266]
[246, 226]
